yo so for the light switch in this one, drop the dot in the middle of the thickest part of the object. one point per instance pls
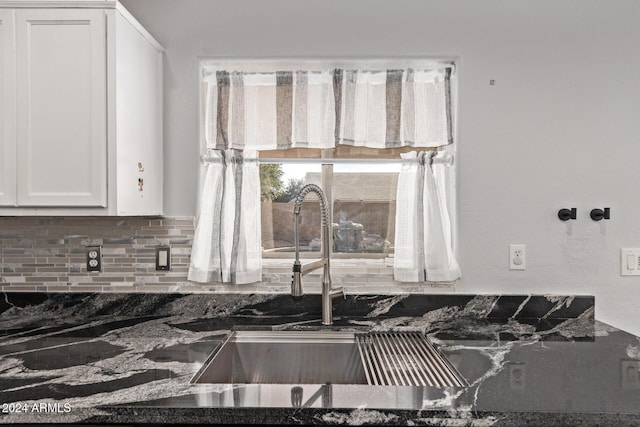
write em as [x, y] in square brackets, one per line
[163, 258]
[630, 262]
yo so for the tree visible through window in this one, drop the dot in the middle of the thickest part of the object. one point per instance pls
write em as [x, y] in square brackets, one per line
[273, 187]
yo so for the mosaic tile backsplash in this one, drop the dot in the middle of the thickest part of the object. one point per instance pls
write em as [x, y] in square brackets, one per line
[49, 253]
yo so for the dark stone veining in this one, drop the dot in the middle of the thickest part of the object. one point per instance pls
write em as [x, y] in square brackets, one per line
[118, 358]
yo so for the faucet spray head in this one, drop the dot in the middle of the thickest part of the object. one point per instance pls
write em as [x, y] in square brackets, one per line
[296, 282]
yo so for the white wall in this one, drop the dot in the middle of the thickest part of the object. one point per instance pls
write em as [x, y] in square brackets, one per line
[560, 128]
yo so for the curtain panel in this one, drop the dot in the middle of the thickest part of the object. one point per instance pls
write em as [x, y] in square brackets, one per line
[423, 245]
[268, 111]
[226, 245]
[395, 108]
[321, 109]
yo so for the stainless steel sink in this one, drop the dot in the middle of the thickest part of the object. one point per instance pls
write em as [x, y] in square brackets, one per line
[284, 357]
[328, 357]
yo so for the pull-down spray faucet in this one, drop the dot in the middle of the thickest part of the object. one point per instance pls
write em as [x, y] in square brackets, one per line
[328, 293]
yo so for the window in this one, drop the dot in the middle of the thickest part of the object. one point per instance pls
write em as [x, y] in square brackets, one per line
[360, 184]
[367, 131]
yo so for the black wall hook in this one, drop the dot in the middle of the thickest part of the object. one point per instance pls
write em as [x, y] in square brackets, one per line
[567, 214]
[598, 214]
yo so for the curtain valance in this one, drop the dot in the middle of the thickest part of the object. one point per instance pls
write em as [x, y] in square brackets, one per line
[268, 111]
[321, 109]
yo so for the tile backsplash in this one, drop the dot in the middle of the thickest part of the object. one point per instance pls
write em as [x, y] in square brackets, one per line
[49, 253]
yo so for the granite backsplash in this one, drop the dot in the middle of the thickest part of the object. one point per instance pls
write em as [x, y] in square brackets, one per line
[459, 316]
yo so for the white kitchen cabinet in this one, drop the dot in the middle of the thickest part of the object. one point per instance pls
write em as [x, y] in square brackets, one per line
[84, 130]
[61, 107]
[7, 109]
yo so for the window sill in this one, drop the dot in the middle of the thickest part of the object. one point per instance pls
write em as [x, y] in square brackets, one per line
[357, 276]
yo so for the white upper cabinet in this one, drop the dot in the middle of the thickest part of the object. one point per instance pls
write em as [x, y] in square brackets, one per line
[7, 109]
[61, 107]
[82, 116]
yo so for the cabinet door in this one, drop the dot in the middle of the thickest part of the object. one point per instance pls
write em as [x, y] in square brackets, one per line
[61, 107]
[7, 109]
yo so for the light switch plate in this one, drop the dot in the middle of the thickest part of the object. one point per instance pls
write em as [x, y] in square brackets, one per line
[163, 258]
[630, 262]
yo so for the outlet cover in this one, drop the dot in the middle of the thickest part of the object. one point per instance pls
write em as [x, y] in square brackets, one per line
[630, 374]
[94, 258]
[630, 262]
[517, 376]
[517, 257]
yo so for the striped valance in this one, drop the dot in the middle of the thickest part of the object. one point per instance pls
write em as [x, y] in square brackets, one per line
[321, 109]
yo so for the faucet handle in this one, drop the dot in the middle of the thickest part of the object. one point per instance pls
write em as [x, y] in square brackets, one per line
[336, 292]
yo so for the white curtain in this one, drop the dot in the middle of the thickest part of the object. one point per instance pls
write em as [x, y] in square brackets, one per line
[227, 245]
[423, 241]
[248, 112]
[321, 109]
[395, 108]
[271, 110]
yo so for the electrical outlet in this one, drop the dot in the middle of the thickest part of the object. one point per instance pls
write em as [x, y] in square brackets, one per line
[94, 258]
[630, 374]
[517, 376]
[517, 259]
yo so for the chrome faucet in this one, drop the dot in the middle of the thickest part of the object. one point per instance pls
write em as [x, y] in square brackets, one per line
[299, 270]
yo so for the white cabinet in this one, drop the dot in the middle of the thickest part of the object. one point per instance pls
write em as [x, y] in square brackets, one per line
[7, 109]
[82, 123]
[61, 107]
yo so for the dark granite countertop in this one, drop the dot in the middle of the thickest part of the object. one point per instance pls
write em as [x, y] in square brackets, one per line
[128, 358]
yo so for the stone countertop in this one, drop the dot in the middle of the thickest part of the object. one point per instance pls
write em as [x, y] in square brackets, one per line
[63, 359]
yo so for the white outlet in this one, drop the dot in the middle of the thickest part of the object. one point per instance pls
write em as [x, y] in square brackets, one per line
[517, 257]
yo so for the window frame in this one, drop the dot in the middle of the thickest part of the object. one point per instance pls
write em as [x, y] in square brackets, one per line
[207, 64]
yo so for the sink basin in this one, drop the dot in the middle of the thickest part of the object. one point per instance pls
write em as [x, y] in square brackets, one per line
[284, 357]
[328, 357]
